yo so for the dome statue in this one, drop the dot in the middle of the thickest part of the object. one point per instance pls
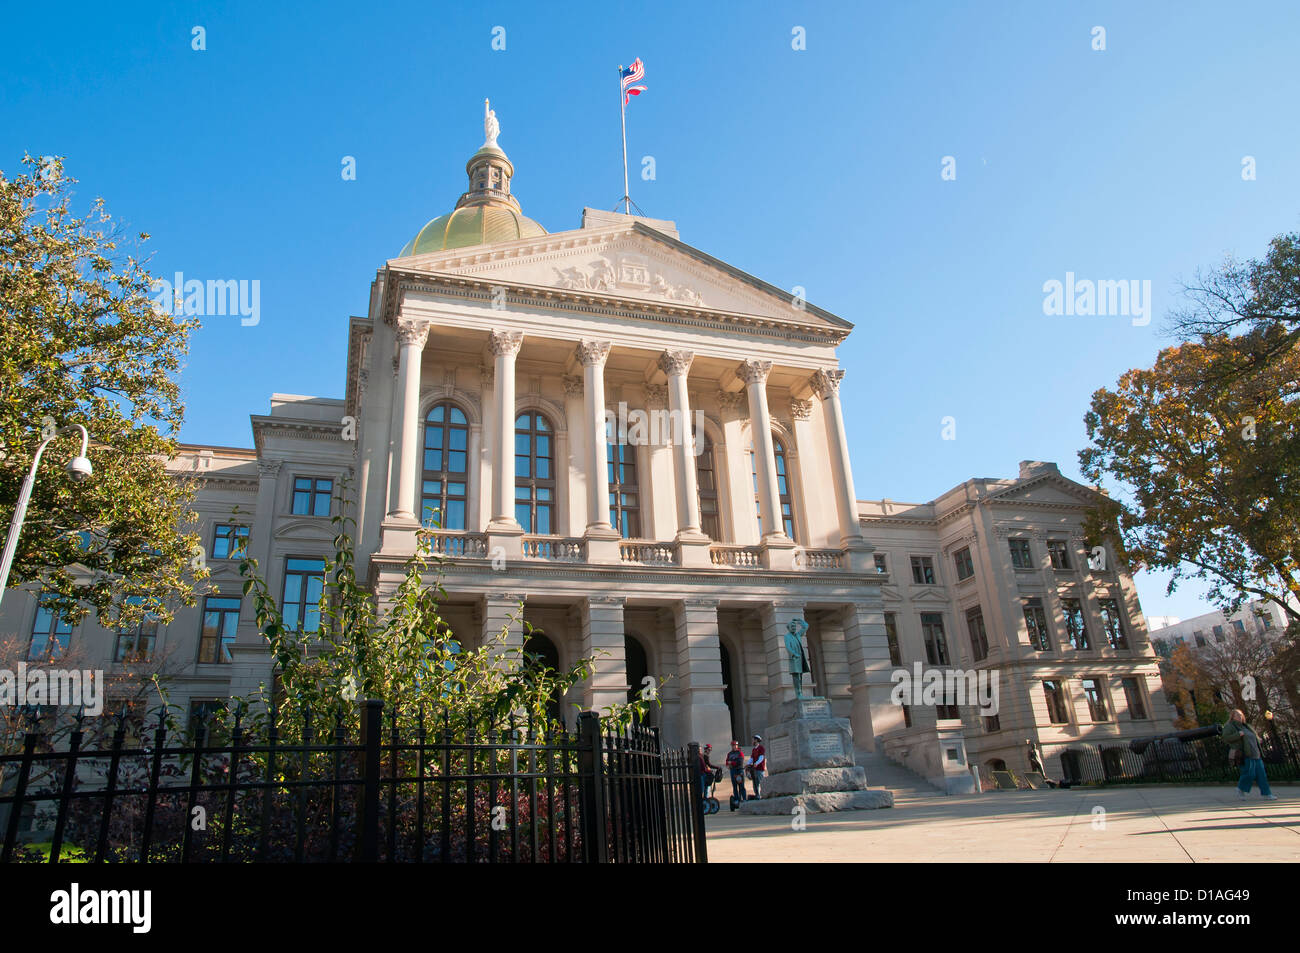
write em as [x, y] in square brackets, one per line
[491, 128]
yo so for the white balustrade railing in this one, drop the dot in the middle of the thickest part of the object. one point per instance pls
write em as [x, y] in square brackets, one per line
[472, 545]
[647, 553]
[819, 559]
[558, 549]
[741, 557]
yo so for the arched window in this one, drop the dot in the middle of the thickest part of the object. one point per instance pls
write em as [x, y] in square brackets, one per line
[706, 481]
[446, 466]
[540, 653]
[624, 495]
[535, 473]
[782, 487]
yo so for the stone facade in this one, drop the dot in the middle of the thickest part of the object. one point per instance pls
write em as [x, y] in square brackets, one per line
[479, 384]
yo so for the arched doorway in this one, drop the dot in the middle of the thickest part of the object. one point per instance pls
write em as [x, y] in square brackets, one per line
[540, 652]
[728, 692]
[637, 666]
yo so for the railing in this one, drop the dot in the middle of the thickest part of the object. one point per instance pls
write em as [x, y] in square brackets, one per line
[359, 789]
[555, 548]
[819, 559]
[742, 557]
[647, 553]
[1170, 759]
[473, 545]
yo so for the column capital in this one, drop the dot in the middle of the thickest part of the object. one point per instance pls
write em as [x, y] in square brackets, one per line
[572, 385]
[731, 400]
[694, 603]
[269, 468]
[604, 599]
[827, 383]
[413, 333]
[754, 372]
[505, 342]
[800, 409]
[676, 363]
[656, 396]
[593, 353]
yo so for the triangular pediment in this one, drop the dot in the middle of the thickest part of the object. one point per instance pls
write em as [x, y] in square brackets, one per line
[634, 263]
[1049, 490]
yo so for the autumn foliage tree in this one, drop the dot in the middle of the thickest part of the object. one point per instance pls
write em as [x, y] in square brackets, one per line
[82, 342]
[1205, 445]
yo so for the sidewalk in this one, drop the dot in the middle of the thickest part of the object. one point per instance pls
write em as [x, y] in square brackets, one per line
[1147, 824]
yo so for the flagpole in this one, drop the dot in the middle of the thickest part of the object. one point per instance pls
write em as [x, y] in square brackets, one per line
[622, 113]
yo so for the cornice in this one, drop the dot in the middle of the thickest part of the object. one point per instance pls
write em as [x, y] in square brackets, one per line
[299, 429]
[608, 305]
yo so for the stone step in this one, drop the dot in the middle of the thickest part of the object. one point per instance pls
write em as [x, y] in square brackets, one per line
[881, 772]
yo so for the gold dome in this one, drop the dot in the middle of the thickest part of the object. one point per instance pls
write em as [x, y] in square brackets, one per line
[487, 213]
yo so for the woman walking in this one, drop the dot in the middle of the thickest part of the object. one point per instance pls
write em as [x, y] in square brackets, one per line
[1243, 749]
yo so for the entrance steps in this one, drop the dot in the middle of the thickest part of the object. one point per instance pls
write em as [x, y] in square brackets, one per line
[883, 773]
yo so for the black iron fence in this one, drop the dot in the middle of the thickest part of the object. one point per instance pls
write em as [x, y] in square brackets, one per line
[1170, 759]
[358, 789]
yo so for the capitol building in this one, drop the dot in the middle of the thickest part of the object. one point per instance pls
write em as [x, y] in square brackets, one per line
[478, 398]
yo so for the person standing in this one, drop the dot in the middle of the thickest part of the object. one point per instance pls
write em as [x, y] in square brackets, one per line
[758, 765]
[736, 767]
[706, 769]
[1243, 747]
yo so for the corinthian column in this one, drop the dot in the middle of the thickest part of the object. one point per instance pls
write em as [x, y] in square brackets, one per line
[504, 346]
[601, 536]
[827, 386]
[754, 374]
[411, 336]
[676, 364]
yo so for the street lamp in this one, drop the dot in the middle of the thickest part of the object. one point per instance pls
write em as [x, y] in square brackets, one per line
[79, 470]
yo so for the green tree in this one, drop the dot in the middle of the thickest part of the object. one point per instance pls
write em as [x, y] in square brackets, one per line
[82, 342]
[1205, 445]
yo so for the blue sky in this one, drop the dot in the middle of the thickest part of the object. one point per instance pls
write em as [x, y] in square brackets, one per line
[817, 167]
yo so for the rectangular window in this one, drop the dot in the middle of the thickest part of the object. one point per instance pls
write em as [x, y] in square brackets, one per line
[1200, 640]
[1057, 712]
[891, 633]
[1113, 624]
[1075, 627]
[1094, 691]
[203, 711]
[1218, 633]
[624, 496]
[947, 709]
[1020, 555]
[1239, 626]
[1268, 621]
[1059, 553]
[936, 645]
[1036, 622]
[304, 581]
[923, 570]
[965, 565]
[136, 644]
[992, 723]
[228, 541]
[220, 622]
[882, 564]
[51, 632]
[1137, 709]
[311, 496]
[979, 639]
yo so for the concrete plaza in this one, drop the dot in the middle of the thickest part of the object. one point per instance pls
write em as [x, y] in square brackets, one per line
[1143, 824]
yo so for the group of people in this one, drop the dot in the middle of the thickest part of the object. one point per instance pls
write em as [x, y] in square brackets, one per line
[738, 766]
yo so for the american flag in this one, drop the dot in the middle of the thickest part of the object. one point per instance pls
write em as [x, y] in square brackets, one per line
[631, 75]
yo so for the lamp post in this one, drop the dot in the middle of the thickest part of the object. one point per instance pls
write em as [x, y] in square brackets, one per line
[79, 470]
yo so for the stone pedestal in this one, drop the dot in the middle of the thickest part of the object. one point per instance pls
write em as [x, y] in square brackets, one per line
[811, 765]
